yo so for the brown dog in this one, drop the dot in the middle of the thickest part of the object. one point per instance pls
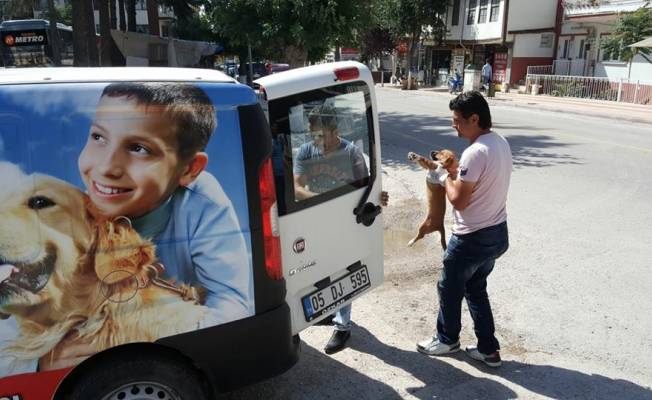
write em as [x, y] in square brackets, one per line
[62, 270]
[436, 195]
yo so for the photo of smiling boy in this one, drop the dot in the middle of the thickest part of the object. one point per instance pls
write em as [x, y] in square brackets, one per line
[144, 159]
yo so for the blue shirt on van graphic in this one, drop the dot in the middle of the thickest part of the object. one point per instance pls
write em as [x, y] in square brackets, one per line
[199, 242]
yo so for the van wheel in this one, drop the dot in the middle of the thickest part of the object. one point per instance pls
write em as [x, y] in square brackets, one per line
[147, 378]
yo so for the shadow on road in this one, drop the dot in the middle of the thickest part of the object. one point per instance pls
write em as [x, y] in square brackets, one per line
[401, 133]
[317, 376]
[447, 382]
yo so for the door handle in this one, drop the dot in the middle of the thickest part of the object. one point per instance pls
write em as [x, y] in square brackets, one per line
[366, 215]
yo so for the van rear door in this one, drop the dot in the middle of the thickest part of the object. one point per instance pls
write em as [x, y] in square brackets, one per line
[331, 239]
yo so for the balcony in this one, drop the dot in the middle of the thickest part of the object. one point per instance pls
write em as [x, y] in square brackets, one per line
[578, 8]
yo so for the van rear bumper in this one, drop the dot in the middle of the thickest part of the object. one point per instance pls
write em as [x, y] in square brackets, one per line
[241, 352]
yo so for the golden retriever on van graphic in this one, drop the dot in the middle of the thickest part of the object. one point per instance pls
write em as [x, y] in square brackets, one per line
[64, 269]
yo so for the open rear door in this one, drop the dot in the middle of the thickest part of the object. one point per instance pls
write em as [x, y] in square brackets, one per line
[327, 174]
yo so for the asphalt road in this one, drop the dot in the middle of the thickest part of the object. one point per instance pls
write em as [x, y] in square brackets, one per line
[571, 297]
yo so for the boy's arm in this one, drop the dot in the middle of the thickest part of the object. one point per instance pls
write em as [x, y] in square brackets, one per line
[221, 261]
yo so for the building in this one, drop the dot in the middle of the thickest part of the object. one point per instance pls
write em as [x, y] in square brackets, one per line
[512, 34]
[166, 15]
[585, 26]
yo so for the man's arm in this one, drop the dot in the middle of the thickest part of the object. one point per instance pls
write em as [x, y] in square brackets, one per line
[458, 192]
[300, 191]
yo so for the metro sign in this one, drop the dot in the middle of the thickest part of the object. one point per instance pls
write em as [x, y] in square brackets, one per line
[25, 38]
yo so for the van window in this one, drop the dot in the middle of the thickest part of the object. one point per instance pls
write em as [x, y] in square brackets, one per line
[322, 144]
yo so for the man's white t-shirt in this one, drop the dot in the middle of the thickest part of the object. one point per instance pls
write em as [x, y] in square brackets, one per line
[488, 163]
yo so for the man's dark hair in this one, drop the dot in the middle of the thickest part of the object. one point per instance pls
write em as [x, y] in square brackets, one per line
[323, 116]
[187, 106]
[472, 102]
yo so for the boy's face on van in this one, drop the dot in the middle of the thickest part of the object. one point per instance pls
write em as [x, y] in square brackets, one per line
[130, 163]
[324, 138]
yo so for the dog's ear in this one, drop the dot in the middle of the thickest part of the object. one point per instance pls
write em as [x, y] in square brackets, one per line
[120, 252]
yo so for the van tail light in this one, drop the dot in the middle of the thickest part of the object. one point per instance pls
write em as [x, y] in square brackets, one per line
[271, 234]
[347, 74]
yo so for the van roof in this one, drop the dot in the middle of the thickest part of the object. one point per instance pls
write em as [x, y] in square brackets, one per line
[110, 74]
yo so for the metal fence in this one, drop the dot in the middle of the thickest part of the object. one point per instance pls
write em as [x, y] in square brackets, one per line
[584, 87]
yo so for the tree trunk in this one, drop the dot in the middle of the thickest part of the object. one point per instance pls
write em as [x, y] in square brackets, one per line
[152, 17]
[131, 15]
[121, 13]
[413, 46]
[296, 56]
[80, 33]
[54, 34]
[93, 55]
[113, 14]
[105, 33]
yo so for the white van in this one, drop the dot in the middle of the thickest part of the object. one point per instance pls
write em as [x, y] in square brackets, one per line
[159, 218]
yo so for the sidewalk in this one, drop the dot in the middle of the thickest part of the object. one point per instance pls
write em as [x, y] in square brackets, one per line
[595, 108]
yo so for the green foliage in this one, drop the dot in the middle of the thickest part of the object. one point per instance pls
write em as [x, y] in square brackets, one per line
[290, 30]
[629, 29]
[63, 14]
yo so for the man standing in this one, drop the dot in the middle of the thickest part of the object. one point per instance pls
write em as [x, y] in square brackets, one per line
[487, 73]
[477, 191]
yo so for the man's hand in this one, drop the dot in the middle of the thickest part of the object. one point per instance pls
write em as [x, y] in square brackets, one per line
[384, 198]
[69, 352]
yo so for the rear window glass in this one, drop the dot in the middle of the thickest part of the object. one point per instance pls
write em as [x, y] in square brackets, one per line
[322, 144]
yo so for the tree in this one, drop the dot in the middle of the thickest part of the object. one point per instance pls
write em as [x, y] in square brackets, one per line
[293, 31]
[83, 34]
[54, 34]
[105, 32]
[20, 9]
[131, 15]
[152, 17]
[121, 13]
[411, 19]
[629, 29]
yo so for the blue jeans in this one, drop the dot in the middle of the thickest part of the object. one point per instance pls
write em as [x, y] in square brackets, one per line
[342, 319]
[468, 261]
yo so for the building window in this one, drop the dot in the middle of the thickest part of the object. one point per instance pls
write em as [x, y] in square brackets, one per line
[582, 55]
[564, 54]
[495, 8]
[456, 12]
[482, 15]
[546, 40]
[141, 5]
[470, 19]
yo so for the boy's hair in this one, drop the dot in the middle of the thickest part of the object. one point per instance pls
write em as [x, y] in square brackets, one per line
[323, 116]
[186, 105]
[472, 102]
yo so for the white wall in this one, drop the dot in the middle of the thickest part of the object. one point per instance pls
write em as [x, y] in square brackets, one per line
[641, 70]
[484, 31]
[529, 45]
[531, 14]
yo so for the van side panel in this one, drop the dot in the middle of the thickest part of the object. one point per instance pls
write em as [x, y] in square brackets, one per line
[73, 162]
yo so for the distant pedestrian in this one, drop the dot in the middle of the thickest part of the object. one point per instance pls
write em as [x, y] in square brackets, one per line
[487, 73]
[477, 189]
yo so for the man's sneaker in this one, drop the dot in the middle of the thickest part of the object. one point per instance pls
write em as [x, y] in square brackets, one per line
[337, 341]
[492, 360]
[433, 347]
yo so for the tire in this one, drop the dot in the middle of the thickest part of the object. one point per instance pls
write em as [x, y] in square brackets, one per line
[142, 377]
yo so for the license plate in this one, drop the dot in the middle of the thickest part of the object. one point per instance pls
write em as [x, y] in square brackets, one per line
[327, 299]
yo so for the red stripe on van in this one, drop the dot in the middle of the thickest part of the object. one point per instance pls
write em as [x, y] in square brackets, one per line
[33, 386]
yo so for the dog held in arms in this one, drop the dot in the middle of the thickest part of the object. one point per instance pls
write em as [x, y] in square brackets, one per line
[435, 194]
[64, 270]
